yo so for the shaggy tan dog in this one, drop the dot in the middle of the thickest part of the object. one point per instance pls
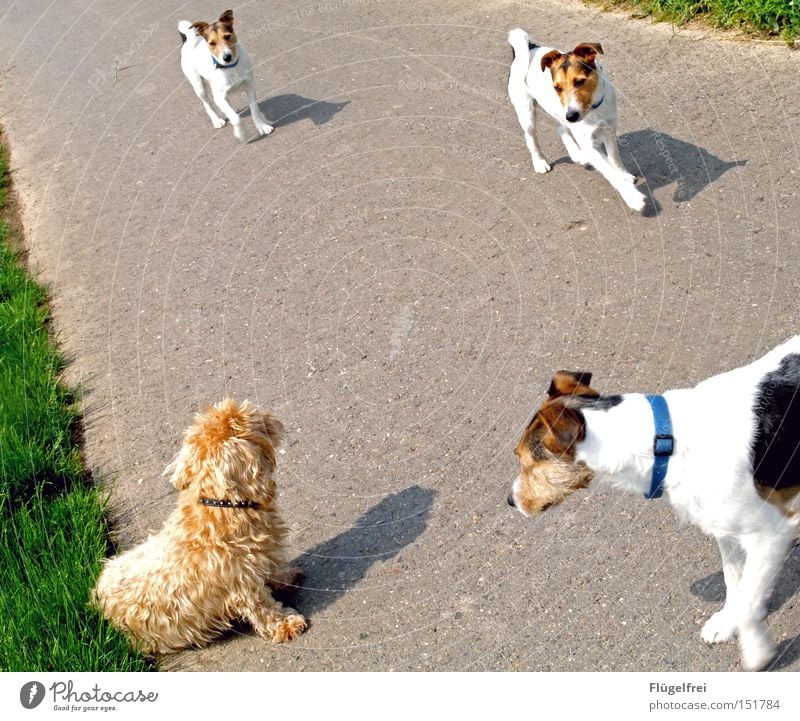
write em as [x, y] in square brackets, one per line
[221, 550]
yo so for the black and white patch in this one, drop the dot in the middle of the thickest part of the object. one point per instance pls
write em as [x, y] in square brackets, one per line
[776, 445]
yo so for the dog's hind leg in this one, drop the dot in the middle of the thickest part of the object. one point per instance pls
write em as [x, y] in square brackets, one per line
[232, 115]
[766, 551]
[525, 108]
[722, 625]
[199, 88]
[269, 618]
[262, 124]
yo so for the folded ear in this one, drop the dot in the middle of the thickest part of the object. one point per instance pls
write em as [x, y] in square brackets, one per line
[178, 471]
[549, 59]
[587, 52]
[271, 426]
[202, 28]
[227, 17]
[569, 383]
[564, 428]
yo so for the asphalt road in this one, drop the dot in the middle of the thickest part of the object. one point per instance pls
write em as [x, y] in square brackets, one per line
[386, 273]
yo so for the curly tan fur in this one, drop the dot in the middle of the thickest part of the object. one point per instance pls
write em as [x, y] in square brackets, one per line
[209, 566]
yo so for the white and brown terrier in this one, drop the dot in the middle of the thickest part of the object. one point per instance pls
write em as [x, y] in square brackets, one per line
[221, 552]
[573, 89]
[212, 56]
[726, 453]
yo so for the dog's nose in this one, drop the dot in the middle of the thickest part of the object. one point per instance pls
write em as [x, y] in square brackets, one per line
[510, 500]
[227, 57]
[572, 116]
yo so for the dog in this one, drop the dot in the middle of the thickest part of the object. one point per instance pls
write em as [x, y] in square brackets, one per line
[573, 89]
[727, 456]
[212, 55]
[220, 552]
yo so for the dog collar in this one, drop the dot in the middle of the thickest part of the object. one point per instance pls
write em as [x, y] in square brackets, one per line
[218, 64]
[224, 503]
[663, 445]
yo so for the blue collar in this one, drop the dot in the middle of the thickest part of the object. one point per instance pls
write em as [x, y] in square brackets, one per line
[218, 64]
[600, 102]
[663, 445]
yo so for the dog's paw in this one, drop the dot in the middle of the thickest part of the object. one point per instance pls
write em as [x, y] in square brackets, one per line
[756, 644]
[718, 628]
[240, 132]
[264, 128]
[288, 628]
[540, 165]
[628, 178]
[633, 198]
[218, 122]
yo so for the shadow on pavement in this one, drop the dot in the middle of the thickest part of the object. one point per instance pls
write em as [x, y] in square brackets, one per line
[663, 160]
[334, 567]
[283, 110]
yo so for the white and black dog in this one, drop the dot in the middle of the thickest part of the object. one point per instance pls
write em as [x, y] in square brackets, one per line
[572, 88]
[726, 453]
[212, 56]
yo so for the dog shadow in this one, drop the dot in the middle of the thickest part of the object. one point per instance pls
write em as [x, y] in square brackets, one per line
[285, 109]
[334, 567]
[663, 160]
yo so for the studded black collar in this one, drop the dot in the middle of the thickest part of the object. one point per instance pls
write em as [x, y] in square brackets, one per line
[224, 503]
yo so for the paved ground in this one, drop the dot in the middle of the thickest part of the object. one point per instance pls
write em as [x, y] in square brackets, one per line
[385, 272]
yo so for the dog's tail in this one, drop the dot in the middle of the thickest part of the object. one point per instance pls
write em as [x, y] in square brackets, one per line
[185, 29]
[521, 42]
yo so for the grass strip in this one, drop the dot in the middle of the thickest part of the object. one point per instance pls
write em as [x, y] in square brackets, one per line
[52, 519]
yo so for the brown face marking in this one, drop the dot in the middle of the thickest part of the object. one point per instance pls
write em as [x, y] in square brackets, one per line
[548, 471]
[219, 36]
[575, 76]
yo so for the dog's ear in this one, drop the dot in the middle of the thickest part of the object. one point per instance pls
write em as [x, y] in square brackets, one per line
[549, 59]
[178, 472]
[202, 28]
[587, 52]
[563, 428]
[569, 383]
[226, 17]
[271, 427]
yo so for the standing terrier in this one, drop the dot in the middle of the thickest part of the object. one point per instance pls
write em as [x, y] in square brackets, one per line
[726, 453]
[221, 550]
[572, 88]
[212, 55]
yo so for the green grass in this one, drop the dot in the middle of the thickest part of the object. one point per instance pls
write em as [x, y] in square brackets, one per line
[52, 528]
[776, 17]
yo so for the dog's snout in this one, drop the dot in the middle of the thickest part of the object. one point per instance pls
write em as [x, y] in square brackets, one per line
[510, 500]
[573, 116]
[227, 57]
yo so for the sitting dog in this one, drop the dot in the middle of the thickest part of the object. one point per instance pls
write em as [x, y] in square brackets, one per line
[220, 551]
[726, 453]
[211, 54]
[572, 88]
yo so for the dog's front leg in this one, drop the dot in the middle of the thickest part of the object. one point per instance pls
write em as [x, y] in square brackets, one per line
[633, 198]
[609, 139]
[269, 618]
[722, 625]
[233, 116]
[262, 125]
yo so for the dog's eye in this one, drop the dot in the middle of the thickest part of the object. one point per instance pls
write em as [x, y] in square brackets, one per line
[226, 37]
[558, 88]
[212, 43]
[579, 82]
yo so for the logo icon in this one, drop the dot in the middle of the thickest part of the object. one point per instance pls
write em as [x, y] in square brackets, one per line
[31, 694]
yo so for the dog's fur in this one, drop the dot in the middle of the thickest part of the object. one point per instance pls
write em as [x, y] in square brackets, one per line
[572, 88]
[212, 56]
[209, 566]
[735, 466]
